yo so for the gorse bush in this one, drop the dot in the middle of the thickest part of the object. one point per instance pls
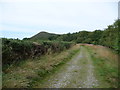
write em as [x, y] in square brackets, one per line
[14, 50]
[57, 46]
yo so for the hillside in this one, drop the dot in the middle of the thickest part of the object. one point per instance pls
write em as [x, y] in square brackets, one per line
[43, 36]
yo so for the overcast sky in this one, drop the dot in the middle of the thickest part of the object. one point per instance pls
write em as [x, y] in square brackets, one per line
[24, 18]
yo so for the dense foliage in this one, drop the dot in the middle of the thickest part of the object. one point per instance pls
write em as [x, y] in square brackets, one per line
[108, 37]
[14, 50]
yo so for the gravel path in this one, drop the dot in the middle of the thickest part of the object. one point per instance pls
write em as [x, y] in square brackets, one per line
[77, 73]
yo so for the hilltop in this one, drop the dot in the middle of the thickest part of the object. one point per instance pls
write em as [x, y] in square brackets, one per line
[44, 36]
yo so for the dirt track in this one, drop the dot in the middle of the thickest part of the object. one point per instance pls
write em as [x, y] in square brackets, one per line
[77, 73]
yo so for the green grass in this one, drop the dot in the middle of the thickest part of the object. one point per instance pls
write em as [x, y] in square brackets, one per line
[106, 72]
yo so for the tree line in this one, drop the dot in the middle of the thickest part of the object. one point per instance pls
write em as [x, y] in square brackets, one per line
[108, 37]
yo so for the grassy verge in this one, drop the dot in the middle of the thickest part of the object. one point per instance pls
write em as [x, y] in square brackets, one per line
[106, 69]
[44, 73]
[28, 72]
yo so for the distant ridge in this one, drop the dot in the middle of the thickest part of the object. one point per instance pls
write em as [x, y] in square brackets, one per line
[43, 36]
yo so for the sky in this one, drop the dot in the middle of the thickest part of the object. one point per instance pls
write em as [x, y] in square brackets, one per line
[25, 18]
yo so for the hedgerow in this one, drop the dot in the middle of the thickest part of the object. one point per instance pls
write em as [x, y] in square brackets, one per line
[14, 50]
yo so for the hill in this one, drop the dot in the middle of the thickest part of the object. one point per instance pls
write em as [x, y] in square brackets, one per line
[44, 36]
